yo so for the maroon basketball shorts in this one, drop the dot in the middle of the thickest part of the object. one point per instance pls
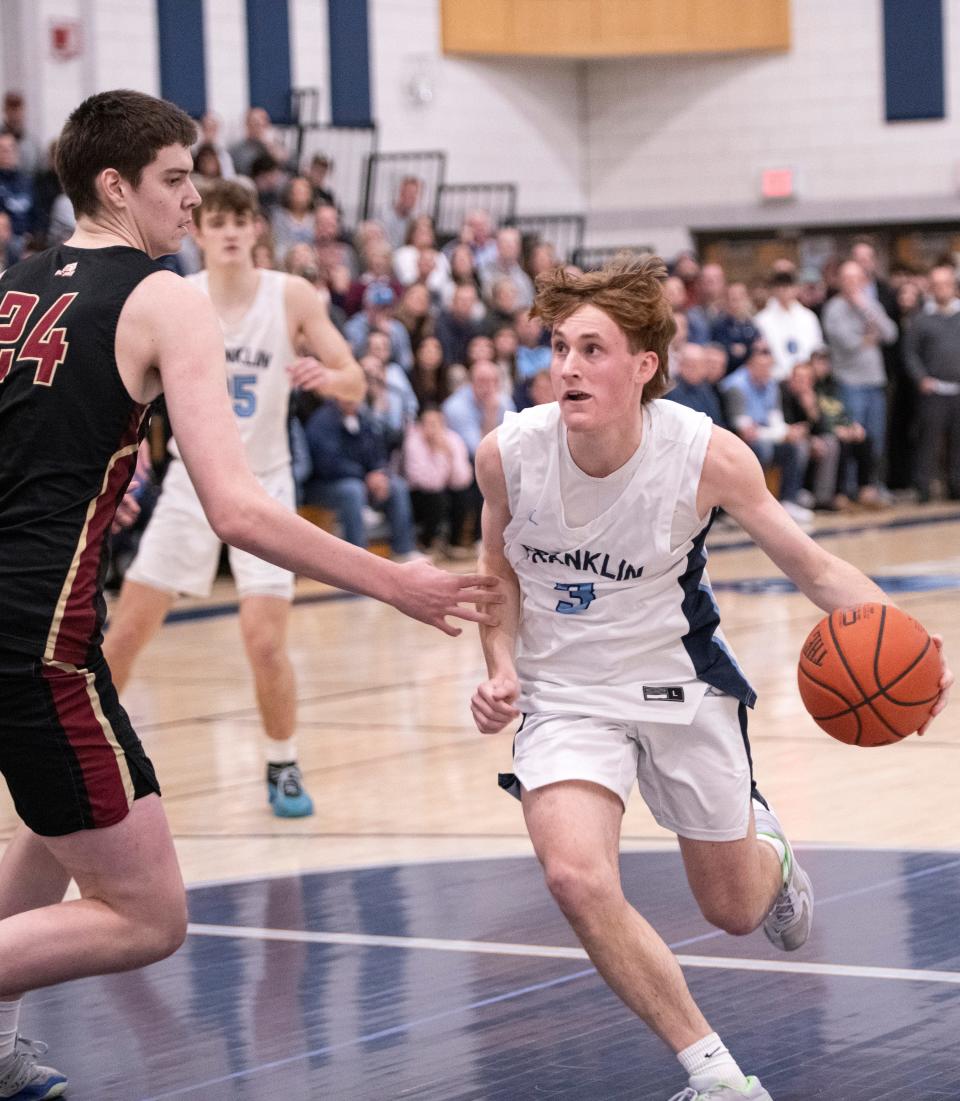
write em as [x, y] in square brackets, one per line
[70, 757]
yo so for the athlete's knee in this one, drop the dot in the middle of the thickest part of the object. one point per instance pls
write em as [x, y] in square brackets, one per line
[579, 888]
[733, 915]
[164, 930]
[265, 647]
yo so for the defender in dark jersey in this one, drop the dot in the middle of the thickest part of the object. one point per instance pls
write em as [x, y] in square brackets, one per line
[90, 334]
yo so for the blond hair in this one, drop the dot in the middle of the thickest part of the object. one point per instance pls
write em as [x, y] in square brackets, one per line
[629, 290]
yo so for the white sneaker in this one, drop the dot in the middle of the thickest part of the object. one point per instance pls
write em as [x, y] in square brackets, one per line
[23, 1078]
[752, 1091]
[797, 512]
[790, 920]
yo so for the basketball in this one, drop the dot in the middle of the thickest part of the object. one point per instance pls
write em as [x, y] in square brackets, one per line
[869, 675]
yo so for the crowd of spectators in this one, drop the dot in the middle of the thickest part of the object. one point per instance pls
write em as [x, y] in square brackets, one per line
[844, 384]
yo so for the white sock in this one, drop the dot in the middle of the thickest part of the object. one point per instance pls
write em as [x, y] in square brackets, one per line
[708, 1063]
[280, 752]
[779, 848]
[9, 1023]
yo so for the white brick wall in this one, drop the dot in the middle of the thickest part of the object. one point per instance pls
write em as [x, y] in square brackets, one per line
[309, 50]
[225, 48]
[498, 120]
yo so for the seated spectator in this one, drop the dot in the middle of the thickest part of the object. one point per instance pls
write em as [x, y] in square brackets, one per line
[258, 141]
[429, 375]
[477, 233]
[350, 473]
[209, 135]
[263, 255]
[472, 411]
[479, 348]
[686, 268]
[9, 253]
[396, 219]
[712, 295]
[292, 221]
[463, 270]
[537, 390]
[857, 474]
[505, 264]
[415, 313]
[677, 343]
[269, 179]
[206, 164]
[377, 313]
[369, 234]
[831, 442]
[505, 345]
[421, 237]
[377, 268]
[676, 294]
[478, 407]
[333, 251]
[15, 122]
[390, 398]
[533, 356]
[438, 471]
[317, 173]
[458, 325]
[715, 356]
[754, 410]
[543, 257]
[16, 192]
[692, 388]
[812, 290]
[791, 330]
[503, 306]
[734, 327]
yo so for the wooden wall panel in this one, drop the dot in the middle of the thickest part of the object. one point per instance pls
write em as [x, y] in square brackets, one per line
[613, 28]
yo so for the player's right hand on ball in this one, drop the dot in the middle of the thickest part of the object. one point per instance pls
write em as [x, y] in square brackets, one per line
[492, 704]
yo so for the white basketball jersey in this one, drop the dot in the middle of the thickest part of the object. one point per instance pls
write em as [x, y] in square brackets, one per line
[258, 353]
[617, 616]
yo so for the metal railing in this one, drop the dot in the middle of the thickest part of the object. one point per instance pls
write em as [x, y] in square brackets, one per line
[563, 231]
[592, 258]
[384, 172]
[455, 201]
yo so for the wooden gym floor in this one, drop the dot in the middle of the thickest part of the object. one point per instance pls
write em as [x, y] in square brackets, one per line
[400, 944]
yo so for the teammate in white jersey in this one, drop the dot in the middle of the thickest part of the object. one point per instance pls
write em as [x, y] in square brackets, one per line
[595, 513]
[265, 317]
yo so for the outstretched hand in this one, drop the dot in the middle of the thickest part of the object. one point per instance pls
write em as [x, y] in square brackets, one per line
[946, 680]
[429, 594]
[492, 704]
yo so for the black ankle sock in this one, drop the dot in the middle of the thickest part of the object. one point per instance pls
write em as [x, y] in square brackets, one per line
[274, 768]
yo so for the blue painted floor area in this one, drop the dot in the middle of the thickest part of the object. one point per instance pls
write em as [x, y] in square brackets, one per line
[230, 1018]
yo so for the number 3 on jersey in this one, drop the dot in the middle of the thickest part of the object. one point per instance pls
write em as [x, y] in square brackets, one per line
[583, 594]
[45, 345]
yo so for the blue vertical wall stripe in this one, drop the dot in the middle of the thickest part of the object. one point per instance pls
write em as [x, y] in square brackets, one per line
[349, 63]
[268, 57]
[182, 64]
[913, 59]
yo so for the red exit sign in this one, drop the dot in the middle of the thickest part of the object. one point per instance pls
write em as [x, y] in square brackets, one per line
[778, 183]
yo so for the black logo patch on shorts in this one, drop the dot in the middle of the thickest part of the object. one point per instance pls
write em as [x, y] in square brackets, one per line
[672, 693]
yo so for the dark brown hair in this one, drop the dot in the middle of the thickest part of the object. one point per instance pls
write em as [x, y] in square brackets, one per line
[629, 290]
[121, 129]
[222, 195]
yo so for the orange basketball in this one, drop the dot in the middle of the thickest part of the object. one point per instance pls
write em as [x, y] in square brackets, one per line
[869, 675]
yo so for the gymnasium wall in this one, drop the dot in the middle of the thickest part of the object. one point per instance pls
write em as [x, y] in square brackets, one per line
[648, 147]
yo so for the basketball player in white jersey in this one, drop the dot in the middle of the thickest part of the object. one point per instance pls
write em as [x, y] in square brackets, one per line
[596, 508]
[265, 316]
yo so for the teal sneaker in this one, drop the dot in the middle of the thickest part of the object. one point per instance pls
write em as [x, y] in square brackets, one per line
[286, 792]
[752, 1091]
[24, 1079]
[790, 920]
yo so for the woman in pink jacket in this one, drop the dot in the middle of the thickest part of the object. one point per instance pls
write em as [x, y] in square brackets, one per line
[438, 471]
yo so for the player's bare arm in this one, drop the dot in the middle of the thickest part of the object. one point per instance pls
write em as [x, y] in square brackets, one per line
[492, 703]
[733, 479]
[183, 347]
[334, 373]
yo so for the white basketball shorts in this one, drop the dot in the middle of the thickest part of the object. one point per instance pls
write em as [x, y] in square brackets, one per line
[179, 551]
[695, 779]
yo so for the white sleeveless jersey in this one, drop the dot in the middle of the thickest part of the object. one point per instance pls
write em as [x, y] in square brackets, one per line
[617, 616]
[258, 353]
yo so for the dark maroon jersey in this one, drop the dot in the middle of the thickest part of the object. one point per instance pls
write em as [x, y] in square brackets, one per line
[69, 433]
